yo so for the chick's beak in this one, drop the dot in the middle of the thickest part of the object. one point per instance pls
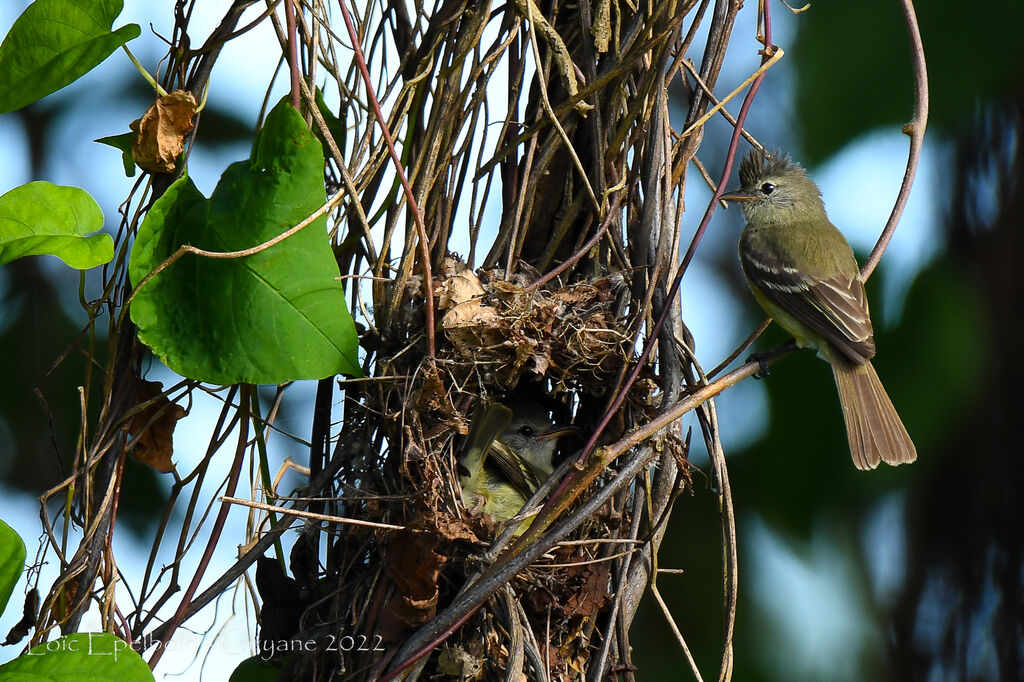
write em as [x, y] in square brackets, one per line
[739, 195]
[557, 432]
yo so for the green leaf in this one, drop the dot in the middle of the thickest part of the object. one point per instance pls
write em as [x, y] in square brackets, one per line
[256, 669]
[267, 318]
[334, 124]
[96, 657]
[54, 43]
[44, 219]
[124, 143]
[12, 562]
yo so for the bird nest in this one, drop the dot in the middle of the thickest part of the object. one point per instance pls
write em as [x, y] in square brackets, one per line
[503, 328]
[498, 336]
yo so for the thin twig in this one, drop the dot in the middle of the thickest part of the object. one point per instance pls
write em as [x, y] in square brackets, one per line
[725, 100]
[309, 515]
[533, 12]
[746, 343]
[675, 631]
[215, 533]
[293, 51]
[421, 229]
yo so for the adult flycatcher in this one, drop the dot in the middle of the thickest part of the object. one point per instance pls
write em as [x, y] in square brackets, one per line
[804, 274]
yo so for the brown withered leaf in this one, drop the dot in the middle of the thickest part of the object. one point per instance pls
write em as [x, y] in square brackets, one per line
[459, 288]
[541, 360]
[160, 133]
[152, 429]
[281, 607]
[456, 662]
[28, 619]
[470, 313]
[413, 566]
[581, 593]
[431, 395]
[591, 593]
[447, 527]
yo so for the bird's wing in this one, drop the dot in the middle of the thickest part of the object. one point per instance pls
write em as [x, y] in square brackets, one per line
[513, 468]
[834, 307]
[487, 425]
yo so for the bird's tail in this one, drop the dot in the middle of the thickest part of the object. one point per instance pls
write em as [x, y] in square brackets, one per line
[872, 425]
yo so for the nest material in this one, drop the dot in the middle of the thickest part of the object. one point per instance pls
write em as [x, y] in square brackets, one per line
[573, 335]
[494, 331]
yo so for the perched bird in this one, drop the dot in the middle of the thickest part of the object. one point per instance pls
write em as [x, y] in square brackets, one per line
[804, 274]
[505, 458]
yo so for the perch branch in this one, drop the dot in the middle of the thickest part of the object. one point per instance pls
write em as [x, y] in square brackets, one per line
[914, 129]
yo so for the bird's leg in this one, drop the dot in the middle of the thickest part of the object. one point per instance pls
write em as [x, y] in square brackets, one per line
[761, 358]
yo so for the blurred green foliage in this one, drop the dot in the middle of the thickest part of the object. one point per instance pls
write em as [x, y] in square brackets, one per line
[853, 68]
[853, 75]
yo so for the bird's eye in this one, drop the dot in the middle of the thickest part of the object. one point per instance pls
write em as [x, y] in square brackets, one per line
[526, 431]
[767, 188]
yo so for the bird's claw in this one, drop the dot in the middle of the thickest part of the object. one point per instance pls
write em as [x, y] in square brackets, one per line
[761, 358]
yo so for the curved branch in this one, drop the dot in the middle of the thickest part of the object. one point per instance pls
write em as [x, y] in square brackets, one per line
[914, 129]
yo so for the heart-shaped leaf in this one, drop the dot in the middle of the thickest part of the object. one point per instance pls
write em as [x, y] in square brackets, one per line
[54, 43]
[12, 562]
[267, 318]
[40, 218]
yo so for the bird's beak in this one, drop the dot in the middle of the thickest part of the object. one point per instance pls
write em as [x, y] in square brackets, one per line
[739, 195]
[558, 432]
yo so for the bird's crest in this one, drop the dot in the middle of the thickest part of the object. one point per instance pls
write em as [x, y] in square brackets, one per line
[755, 166]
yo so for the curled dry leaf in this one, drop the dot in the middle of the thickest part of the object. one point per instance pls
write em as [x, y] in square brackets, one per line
[281, 606]
[503, 329]
[591, 593]
[413, 565]
[580, 593]
[160, 133]
[432, 394]
[460, 285]
[152, 429]
[29, 614]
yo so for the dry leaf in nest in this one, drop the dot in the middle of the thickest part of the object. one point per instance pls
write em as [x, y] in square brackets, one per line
[459, 663]
[152, 429]
[580, 590]
[470, 324]
[448, 528]
[160, 133]
[413, 566]
[460, 285]
[591, 592]
[571, 332]
[432, 394]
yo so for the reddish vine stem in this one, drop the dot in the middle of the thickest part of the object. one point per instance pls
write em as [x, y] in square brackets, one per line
[914, 129]
[293, 50]
[428, 285]
[215, 533]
